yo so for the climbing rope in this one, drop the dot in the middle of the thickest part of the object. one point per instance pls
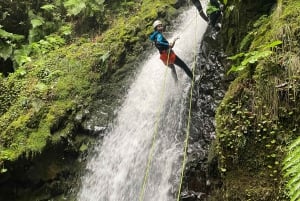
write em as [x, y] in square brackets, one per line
[186, 142]
[158, 115]
[155, 132]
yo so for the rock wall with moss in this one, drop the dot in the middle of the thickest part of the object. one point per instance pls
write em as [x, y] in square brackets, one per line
[43, 104]
[259, 115]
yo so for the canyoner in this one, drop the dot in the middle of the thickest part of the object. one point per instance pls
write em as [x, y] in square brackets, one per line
[169, 58]
[167, 55]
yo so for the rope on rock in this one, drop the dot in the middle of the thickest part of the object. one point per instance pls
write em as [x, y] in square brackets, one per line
[186, 142]
[158, 116]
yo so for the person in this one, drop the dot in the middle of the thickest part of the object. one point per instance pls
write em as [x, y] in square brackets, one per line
[199, 7]
[214, 12]
[167, 55]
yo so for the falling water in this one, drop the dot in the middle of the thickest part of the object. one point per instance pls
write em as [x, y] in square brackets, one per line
[154, 105]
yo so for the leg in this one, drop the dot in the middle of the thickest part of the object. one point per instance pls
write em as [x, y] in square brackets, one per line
[174, 74]
[182, 65]
[200, 9]
[215, 15]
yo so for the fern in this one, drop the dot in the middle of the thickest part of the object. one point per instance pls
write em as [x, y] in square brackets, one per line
[210, 9]
[8, 42]
[87, 7]
[292, 170]
[5, 51]
[48, 7]
[225, 2]
[74, 7]
[21, 55]
[10, 36]
[252, 57]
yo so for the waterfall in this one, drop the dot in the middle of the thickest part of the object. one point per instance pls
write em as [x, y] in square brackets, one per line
[155, 104]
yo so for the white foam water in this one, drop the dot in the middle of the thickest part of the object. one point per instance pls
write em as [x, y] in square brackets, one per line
[154, 105]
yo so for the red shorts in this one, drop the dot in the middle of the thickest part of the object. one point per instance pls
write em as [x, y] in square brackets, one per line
[168, 58]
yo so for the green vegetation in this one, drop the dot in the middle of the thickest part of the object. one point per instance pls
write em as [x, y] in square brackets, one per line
[63, 52]
[70, 49]
[48, 94]
[251, 57]
[292, 169]
[40, 27]
[259, 115]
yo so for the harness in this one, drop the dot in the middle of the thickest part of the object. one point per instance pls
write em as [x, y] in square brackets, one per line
[167, 56]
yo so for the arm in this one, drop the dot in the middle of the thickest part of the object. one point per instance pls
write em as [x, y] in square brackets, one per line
[162, 41]
[200, 9]
[173, 43]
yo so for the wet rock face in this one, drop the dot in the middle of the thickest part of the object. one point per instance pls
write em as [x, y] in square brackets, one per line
[208, 92]
[44, 177]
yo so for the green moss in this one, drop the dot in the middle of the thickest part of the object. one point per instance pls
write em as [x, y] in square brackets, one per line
[40, 100]
[253, 186]
[259, 114]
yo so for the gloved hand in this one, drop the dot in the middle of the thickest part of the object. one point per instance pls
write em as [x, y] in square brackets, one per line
[173, 43]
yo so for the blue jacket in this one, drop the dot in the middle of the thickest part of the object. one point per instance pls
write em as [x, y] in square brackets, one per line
[159, 40]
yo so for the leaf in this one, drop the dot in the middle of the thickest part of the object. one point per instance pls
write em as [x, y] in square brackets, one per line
[48, 7]
[36, 22]
[256, 55]
[295, 192]
[4, 34]
[66, 30]
[251, 57]
[292, 170]
[295, 144]
[234, 57]
[21, 59]
[231, 7]
[294, 179]
[271, 45]
[296, 196]
[210, 9]
[290, 158]
[223, 169]
[7, 35]
[240, 68]
[83, 148]
[3, 170]
[74, 7]
[21, 55]
[41, 87]
[236, 68]
[5, 51]
[105, 57]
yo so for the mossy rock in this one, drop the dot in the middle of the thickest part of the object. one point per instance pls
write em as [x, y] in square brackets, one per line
[259, 114]
[39, 102]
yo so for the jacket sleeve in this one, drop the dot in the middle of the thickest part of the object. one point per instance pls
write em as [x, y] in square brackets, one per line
[152, 36]
[161, 40]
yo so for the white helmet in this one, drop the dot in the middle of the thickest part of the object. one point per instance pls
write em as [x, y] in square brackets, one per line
[156, 23]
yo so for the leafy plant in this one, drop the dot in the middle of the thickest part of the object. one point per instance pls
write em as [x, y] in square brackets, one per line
[74, 7]
[292, 170]
[48, 7]
[8, 42]
[21, 55]
[242, 59]
[37, 23]
[88, 8]
[210, 9]
[224, 2]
